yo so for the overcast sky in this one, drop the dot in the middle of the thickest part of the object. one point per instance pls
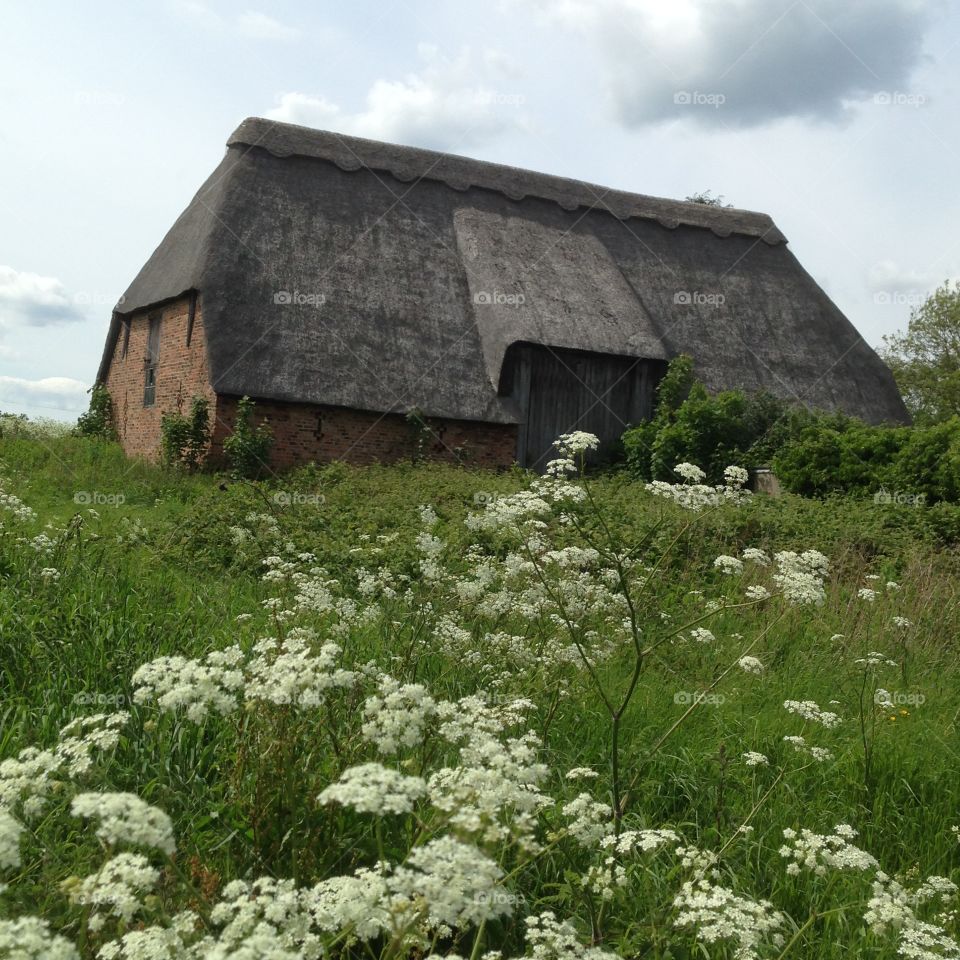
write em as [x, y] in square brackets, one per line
[837, 117]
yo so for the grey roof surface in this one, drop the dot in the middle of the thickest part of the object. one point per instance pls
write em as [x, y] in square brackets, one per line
[411, 273]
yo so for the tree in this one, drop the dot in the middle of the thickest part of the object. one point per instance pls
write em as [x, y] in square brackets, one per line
[926, 359]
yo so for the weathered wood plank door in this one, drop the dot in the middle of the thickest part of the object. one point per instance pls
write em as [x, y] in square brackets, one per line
[559, 391]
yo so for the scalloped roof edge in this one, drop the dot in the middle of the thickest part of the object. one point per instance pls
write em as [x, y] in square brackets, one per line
[408, 164]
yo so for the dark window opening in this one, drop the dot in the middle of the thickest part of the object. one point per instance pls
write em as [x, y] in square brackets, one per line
[126, 339]
[151, 361]
[191, 316]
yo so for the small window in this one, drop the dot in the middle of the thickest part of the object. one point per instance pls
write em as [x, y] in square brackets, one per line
[191, 316]
[151, 361]
[126, 339]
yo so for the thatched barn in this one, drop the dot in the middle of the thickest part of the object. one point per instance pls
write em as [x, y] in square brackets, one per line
[343, 283]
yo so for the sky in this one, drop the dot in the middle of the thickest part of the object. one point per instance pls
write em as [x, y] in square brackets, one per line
[839, 118]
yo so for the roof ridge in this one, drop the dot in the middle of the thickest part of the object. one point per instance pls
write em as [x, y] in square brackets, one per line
[408, 164]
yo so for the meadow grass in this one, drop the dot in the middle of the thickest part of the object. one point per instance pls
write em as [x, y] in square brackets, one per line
[150, 563]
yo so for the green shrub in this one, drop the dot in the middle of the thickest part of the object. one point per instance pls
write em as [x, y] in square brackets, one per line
[98, 421]
[713, 432]
[185, 439]
[248, 448]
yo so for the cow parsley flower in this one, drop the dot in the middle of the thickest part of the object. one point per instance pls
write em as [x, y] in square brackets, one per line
[750, 665]
[589, 820]
[728, 565]
[581, 773]
[755, 555]
[811, 711]
[753, 759]
[820, 853]
[800, 576]
[717, 914]
[374, 788]
[576, 443]
[552, 939]
[457, 882]
[118, 886]
[396, 716]
[819, 754]
[125, 818]
[10, 832]
[29, 938]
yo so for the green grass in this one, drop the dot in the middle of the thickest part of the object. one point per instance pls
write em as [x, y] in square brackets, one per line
[160, 574]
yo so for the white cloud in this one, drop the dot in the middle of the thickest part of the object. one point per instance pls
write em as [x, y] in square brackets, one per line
[450, 104]
[746, 62]
[60, 393]
[252, 24]
[29, 299]
[261, 27]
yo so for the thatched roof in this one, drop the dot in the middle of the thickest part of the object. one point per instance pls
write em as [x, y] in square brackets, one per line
[429, 266]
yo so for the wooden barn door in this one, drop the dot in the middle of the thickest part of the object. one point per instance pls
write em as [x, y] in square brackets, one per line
[559, 391]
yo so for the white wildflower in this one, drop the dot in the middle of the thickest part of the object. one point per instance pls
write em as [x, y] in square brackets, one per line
[750, 665]
[374, 788]
[125, 818]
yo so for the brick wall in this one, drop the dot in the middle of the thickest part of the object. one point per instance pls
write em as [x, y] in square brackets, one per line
[302, 432]
[181, 375]
[305, 432]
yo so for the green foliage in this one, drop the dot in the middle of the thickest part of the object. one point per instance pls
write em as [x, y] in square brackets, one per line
[97, 423]
[184, 439]
[248, 448]
[926, 359]
[713, 432]
[707, 198]
[242, 788]
[831, 454]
